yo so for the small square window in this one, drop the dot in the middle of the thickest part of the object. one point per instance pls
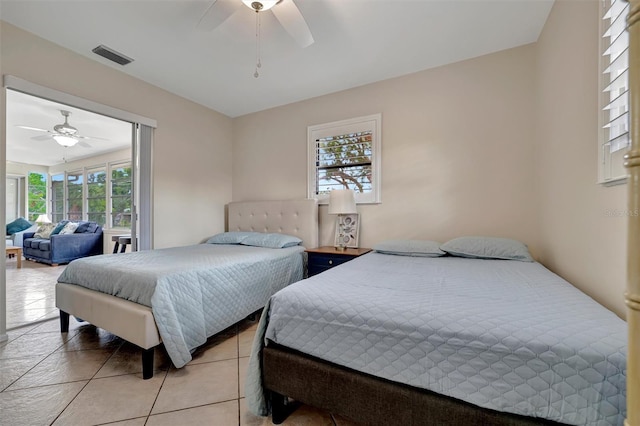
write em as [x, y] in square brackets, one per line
[345, 155]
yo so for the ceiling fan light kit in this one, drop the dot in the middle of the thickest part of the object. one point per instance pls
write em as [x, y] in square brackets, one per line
[64, 134]
[64, 140]
[260, 6]
[65, 131]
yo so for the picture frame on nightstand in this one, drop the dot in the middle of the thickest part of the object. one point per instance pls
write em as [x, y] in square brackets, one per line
[347, 230]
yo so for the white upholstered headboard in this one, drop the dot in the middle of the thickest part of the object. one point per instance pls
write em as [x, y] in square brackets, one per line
[292, 217]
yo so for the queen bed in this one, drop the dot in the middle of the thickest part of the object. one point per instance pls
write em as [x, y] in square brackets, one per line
[281, 370]
[401, 337]
[181, 296]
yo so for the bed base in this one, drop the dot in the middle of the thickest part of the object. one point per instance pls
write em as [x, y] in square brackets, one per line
[366, 399]
[147, 354]
[133, 322]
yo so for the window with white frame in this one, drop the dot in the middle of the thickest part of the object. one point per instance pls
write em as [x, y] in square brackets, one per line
[97, 195]
[101, 194]
[121, 196]
[37, 195]
[345, 155]
[614, 97]
[57, 197]
[75, 196]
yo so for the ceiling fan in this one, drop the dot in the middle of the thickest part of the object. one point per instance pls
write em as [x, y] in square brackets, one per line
[285, 11]
[64, 134]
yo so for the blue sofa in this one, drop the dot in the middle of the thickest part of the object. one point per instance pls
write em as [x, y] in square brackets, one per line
[59, 249]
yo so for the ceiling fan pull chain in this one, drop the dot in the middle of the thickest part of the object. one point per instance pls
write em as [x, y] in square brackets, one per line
[258, 64]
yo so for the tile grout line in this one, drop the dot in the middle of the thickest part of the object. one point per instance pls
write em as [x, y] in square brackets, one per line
[34, 366]
[85, 385]
[164, 379]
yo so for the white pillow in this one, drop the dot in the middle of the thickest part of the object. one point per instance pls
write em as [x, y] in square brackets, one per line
[69, 228]
[44, 231]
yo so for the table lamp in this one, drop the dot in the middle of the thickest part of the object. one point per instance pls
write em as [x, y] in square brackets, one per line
[43, 218]
[341, 202]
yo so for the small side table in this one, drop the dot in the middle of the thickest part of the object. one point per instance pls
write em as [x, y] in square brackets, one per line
[17, 251]
[324, 258]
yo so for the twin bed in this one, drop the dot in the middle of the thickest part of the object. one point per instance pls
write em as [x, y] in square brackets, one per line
[181, 296]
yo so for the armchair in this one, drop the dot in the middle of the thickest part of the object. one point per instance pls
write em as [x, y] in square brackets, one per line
[16, 230]
[63, 248]
[17, 239]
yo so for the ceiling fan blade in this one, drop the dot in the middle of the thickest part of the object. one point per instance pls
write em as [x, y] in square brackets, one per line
[42, 138]
[83, 144]
[37, 129]
[217, 13]
[91, 137]
[292, 20]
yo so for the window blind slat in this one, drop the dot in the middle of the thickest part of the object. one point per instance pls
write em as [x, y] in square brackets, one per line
[618, 85]
[617, 25]
[618, 126]
[615, 10]
[619, 105]
[618, 45]
[618, 64]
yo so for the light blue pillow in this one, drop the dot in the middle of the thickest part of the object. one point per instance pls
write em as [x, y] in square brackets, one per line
[487, 248]
[260, 239]
[234, 237]
[416, 248]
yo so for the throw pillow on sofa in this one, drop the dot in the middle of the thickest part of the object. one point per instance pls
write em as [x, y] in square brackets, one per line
[59, 227]
[86, 227]
[44, 230]
[69, 228]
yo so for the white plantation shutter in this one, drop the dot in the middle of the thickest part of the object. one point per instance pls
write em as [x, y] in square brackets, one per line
[348, 156]
[615, 86]
[345, 154]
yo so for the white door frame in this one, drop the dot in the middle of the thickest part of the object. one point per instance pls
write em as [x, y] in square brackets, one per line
[143, 210]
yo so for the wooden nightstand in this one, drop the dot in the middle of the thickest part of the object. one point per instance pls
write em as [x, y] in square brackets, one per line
[322, 258]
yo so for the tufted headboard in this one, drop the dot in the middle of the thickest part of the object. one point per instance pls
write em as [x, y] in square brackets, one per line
[292, 217]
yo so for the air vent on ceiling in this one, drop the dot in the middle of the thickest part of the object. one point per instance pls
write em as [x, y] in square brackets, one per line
[111, 55]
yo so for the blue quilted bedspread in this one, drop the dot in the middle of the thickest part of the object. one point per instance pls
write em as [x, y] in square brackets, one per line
[194, 291]
[506, 335]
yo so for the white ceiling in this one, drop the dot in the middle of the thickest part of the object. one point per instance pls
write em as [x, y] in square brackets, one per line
[356, 42]
[36, 147]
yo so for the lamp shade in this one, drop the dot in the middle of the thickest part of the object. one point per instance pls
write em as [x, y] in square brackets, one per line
[43, 218]
[342, 201]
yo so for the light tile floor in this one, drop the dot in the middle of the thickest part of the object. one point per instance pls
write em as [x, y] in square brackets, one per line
[30, 292]
[91, 377]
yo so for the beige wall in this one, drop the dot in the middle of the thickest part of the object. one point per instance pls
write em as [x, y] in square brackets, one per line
[582, 225]
[498, 145]
[502, 145]
[192, 144]
[457, 151]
